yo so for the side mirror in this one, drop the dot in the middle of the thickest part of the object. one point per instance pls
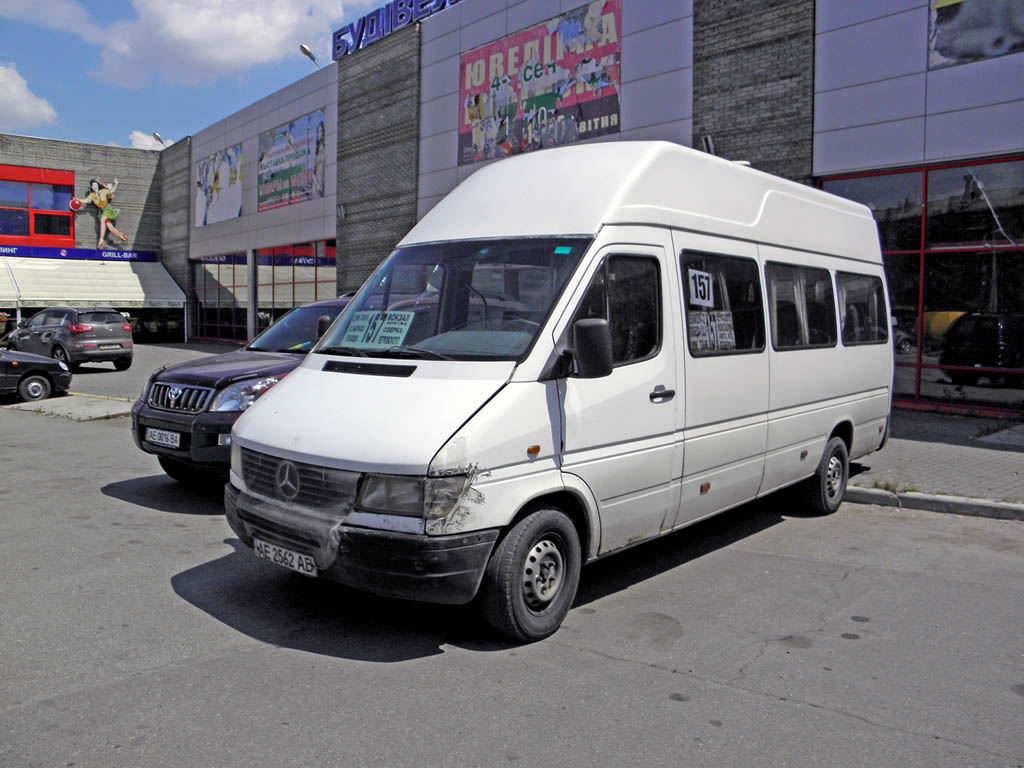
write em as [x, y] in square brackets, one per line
[322, 324]
[23, 324]
[592, 348]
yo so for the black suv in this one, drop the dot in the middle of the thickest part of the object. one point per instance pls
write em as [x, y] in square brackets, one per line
[984, 340]
[75, 336]
[185, 412]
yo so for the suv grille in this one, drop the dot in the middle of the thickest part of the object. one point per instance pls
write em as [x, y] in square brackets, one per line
[187, 400]
[317, 486]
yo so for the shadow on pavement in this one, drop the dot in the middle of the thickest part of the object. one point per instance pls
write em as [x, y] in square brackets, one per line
[950, 429]
[275, 606]
[163, 494]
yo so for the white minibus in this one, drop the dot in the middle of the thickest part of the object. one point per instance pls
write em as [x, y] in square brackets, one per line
[577, 350]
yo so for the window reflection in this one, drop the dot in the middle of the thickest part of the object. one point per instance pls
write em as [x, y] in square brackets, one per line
[979, 204]
[894, 199]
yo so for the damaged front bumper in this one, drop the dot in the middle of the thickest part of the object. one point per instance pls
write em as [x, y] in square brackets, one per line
[433, 569]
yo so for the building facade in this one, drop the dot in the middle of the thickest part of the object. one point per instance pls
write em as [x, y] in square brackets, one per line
[913, 107]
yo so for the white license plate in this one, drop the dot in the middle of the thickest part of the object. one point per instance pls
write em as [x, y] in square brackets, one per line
[297, 561]
[110, 346]
[163, 437]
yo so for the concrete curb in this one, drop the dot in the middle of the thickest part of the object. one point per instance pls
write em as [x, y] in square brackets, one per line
[954, 505]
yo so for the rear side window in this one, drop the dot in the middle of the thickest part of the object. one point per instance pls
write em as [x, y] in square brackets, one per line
[626, 290]
[724, 311]
[861, 309]
[802, 307]
[101, 318]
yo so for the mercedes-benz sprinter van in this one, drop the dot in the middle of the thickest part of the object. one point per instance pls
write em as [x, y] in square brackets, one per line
[577, 350]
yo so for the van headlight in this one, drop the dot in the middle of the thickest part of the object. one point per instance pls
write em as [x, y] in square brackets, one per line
[242, 394]
[428, 497]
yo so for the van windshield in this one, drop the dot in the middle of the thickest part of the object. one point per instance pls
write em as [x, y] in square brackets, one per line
[464, 300]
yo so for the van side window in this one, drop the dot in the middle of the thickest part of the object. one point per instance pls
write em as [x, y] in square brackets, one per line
[626, 290]
[861, 309]
[802, 307]
[724, 311]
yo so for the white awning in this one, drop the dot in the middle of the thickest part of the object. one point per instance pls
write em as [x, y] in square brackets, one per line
[46, 282]
[8, 291]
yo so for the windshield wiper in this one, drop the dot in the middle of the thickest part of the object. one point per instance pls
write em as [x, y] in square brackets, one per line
[342, 350]
[404, 351]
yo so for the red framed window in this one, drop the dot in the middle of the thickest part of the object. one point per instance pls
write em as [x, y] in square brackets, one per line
[952, 238]
[34, 206]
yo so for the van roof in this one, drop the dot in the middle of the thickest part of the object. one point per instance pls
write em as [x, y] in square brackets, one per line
[576, 190]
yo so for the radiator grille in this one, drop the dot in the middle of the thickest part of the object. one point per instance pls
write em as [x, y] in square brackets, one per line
[317, 486]
[186, 399]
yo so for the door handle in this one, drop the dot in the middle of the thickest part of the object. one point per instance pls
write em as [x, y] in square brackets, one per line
[662, 395]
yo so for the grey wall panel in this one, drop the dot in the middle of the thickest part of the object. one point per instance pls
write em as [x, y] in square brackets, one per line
[638, 15]
[678, 131]
[876, 50]
[974, 132]
[530, 12]
[978, 84]
[655, 50]
[441, 48]
[439, 115]
[440, 79]
[832, 14]
[896, 99]
[649, 101]
[899, 142]
[485, 30]
[474, 10]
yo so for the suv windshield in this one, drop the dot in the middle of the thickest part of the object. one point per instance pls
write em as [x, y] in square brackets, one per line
[464, 300]
[294, 332]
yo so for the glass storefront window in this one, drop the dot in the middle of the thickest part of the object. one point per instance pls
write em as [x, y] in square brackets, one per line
[51, 224]
[13, 222]
[51, 197]
[13, 194]
[979, 204]
[895, 200]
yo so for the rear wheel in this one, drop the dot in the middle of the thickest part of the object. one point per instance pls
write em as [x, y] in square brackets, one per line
[34, 387]
[123, 363]
[531, 578]
[826, 487]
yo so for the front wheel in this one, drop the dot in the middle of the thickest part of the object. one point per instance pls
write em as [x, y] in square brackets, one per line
[531, 578]
[34, 387]
[826, 487]
[60, 355]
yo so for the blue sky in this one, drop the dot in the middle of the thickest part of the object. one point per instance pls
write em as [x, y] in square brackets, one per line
[114, 71]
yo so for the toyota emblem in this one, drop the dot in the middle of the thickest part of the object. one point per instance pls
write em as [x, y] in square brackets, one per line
[287, 480]
[174, 393]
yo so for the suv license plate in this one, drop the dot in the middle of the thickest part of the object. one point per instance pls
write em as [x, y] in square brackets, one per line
[297, 561]
[163, 437]
[110, 346]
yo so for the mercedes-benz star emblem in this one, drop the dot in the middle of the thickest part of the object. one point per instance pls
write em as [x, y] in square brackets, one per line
[174, 393]
[288, 480]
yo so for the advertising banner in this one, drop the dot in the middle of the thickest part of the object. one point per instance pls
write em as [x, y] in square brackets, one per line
[219, 186]
[551, 84]
[292, 160]
[76, 254]
[961, 31]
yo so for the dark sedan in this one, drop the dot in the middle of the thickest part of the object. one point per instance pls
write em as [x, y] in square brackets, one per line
[185, 413]
[984, 340]
[32, 377]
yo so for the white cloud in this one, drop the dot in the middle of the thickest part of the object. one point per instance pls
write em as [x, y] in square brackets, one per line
[187, 41]
[142, 140]
[19, 107]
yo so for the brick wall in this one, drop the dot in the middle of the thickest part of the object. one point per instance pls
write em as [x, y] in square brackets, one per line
[378, 152]
[138, 193]
[753, 82]
[175, 167]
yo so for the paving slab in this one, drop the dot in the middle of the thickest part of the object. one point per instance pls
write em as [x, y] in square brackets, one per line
[78, 407]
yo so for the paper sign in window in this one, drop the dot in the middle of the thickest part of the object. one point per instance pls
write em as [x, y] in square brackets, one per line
[711, 331]
[702, 291]
[377, 330]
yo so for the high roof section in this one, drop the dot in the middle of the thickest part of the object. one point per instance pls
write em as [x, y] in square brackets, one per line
[577, 190]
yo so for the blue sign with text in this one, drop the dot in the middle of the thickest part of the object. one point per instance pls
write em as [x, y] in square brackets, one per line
[79, 254]
[382, 22]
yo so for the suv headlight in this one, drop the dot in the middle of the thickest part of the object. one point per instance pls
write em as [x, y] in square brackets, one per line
[242, 394]
[431, 498]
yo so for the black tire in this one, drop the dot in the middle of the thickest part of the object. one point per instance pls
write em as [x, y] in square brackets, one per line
[34, 387]
[60, 354]
[123, 363]
[530, 581]
[825, 488]
[903, 347]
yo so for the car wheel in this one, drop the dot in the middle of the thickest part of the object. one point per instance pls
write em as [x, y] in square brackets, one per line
[531, 578]
[60, 354]
[825, 488]
[34, 387]
[903, 347]
[123, 363]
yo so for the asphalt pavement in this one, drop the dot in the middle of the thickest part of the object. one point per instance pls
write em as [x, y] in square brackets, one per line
[136, 631]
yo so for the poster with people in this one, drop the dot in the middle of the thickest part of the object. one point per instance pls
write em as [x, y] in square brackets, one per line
[219, 186]
[292, 162]
[553, 83]
[961, 31]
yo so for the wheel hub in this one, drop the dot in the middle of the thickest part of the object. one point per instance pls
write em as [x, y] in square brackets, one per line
[34, 389]
[543, 572]
[834, 476]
